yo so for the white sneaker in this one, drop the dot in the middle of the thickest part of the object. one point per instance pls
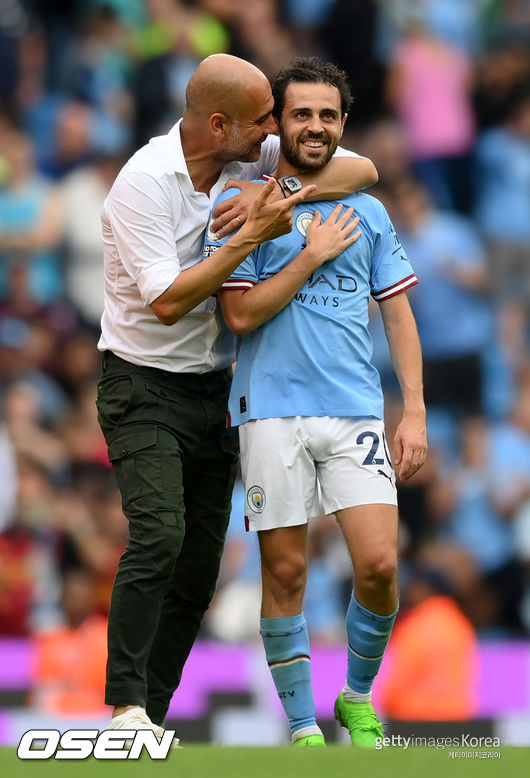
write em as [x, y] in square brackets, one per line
[137, 718]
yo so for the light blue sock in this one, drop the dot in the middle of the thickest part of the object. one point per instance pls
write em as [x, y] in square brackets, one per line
[287, 650]
[368, 633]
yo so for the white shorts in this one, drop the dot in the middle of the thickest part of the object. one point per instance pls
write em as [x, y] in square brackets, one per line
[286, 463]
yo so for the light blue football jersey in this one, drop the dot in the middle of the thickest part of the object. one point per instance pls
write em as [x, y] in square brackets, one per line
[314, 357]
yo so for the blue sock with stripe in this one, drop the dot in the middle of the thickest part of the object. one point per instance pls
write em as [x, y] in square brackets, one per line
[287, 650]
[368, 633]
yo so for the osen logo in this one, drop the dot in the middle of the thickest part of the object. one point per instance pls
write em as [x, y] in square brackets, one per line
[46, 744]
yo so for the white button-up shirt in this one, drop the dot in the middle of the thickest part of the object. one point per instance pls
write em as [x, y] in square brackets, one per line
[153, 228]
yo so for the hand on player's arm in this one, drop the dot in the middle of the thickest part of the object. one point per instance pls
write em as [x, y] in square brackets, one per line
[340, 177]
[267, 220]
[232, 213]
[410, 440]
[246, 309]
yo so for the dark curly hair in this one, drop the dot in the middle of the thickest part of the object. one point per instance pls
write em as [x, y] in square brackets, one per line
[310, 70]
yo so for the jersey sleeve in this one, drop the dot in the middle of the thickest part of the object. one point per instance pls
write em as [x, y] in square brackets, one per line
[244, 276]
[391, 271]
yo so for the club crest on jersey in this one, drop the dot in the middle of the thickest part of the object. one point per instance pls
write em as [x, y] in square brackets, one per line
[256, 499]
[303, 220]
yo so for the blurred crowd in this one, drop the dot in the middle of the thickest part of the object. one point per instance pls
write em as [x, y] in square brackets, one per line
[442, 106]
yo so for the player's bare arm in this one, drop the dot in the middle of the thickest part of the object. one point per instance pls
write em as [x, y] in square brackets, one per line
[340, 177]
[410, 440]
[244, 310]
[268, 218]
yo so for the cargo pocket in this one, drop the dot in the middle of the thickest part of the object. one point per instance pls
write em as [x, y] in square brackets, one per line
[113, 400]
[136, 469]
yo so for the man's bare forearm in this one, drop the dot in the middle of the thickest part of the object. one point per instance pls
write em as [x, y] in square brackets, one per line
[197, 283]
[340, 177]
[405, 350]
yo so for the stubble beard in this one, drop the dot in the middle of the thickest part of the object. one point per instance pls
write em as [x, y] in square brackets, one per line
[236, 149]
[300, 161]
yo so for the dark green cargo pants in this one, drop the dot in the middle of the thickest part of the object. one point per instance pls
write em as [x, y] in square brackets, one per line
[175, 464]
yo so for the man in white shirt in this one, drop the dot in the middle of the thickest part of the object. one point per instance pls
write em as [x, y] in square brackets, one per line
[163, 393]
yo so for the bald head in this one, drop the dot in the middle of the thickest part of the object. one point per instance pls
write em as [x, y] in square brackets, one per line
[228, 113]
[224, 84]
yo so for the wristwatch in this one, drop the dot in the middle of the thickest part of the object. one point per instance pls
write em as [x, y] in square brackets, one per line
[291, 184]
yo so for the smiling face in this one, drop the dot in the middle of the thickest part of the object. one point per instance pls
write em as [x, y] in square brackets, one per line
[248, 127]
[311, 125]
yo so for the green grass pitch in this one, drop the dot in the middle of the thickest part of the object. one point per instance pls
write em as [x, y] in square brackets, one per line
[338, 761]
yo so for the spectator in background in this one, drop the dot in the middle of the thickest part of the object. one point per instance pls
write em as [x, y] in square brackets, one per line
[168, 49]
[72, 139]
[14, 25]
[454, 317]
[23, 411]
[98, 66]
[80, 431]
[355, 53]
[502, 205]
[77, 364]
[428, 87]
[468, 501]
[70, 658]
[386, 144]
[24, 353]
[84, 191]
[431, 670]
[457, 22]
[324, 598]
[8, 477]
[92, 533]
[501, 71]
[305, 18]
[30, 582]
[56, 19]
[268, 43]
[31, 223]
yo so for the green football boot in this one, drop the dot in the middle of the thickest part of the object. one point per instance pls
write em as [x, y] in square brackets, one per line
[360, 719]
[311, 741]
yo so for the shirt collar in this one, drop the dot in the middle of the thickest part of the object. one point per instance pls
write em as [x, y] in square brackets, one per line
[180, 165]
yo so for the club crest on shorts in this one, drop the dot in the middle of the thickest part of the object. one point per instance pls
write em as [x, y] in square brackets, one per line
[303, 220]
[256, 499]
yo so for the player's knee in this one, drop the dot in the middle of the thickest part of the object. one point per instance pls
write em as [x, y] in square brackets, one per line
[380, 571]
[287, 573]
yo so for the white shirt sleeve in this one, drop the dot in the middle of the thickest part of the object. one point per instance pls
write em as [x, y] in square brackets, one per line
[141, 215]
[342, 152]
